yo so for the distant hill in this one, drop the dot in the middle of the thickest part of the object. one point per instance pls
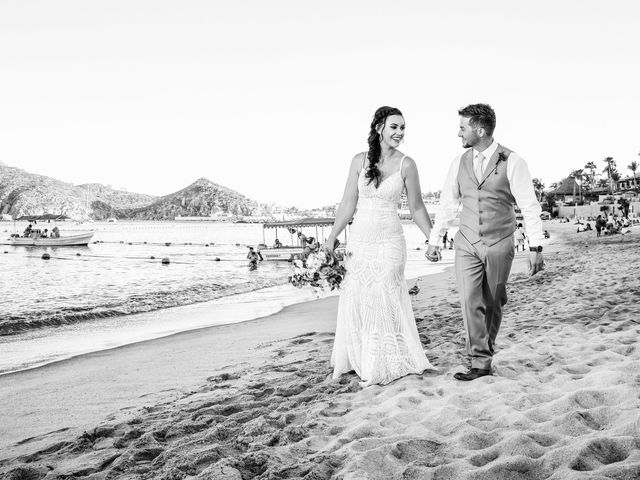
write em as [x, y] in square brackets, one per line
[24, 193]
[200, 199]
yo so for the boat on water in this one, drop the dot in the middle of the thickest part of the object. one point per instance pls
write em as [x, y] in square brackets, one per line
[49, 236]
[287, 252]
[37, 240]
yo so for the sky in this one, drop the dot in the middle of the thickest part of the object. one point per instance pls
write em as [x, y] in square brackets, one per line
[273, 98]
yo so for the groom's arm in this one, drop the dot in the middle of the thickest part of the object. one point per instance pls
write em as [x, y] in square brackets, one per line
[449, 204]
[522, 189]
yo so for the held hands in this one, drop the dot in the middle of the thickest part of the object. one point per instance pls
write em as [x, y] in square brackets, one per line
[433, 253]
[536, 262]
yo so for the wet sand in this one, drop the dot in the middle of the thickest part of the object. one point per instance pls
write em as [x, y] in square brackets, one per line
[256, 400]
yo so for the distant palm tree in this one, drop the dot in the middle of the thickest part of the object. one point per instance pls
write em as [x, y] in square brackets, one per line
[538, 187]
[633, 166]
[591, 177]
[610, 169]
[577, 175]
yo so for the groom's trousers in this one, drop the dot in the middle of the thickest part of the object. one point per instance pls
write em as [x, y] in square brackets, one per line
[481, 274]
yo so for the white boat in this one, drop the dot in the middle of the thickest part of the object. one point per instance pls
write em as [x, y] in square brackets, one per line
[287, 252]
[81, 238]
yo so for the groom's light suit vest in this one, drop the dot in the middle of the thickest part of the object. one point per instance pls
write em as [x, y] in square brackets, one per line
[487, 214]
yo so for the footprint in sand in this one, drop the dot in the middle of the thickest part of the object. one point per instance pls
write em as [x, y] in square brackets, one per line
[514, 468]
[538, 415]
[591, 399]
[27, 473]
[482, 459]
[262, 393]
[409, 403]
[519, 444]
[334, 410]
[543, 439]
[603, 451]
[223, 377]
[477, 440]
[576, 369]
[576, 424]
[427, 452]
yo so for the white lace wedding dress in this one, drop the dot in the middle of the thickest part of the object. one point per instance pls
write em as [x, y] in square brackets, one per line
[376, 333]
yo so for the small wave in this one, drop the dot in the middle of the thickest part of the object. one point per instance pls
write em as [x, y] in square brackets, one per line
[22, 322]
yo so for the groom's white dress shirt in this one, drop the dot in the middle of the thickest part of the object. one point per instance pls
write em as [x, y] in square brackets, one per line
[521, 188]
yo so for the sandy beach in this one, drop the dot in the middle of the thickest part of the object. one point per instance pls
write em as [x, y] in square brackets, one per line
[256, 400]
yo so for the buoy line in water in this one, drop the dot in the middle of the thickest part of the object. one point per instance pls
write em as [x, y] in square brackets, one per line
[87, 258]
[176, 244]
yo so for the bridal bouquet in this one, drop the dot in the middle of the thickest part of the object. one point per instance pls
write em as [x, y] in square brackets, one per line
[318, 270]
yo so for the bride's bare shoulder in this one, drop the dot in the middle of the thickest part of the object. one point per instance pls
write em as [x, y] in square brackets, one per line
[358, 160]
[408, 164]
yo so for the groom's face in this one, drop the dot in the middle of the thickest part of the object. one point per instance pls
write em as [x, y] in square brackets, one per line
[468, 133]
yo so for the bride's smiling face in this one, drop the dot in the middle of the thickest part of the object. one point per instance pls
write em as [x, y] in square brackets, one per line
[393, 130]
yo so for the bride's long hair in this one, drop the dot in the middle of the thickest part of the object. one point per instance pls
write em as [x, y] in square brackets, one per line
[374, 140]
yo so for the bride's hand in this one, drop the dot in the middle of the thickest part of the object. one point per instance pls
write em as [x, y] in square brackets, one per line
[327, 246]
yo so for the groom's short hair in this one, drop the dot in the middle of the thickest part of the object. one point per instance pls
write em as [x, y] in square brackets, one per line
[480, 115]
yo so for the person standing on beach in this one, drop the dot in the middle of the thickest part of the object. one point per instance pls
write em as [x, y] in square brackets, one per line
[376, 333]
[520, 237]
[486, 181]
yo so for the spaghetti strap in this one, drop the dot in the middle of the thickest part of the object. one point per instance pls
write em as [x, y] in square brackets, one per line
[364, 159]
[401, 162]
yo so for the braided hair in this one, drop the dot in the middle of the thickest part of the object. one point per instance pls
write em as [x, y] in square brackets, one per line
[374, 140]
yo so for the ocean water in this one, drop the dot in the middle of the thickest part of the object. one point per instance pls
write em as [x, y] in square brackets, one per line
[112, 293]
[117, 275]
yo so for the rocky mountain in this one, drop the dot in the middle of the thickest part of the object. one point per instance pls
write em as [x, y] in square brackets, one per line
[24, 193]
[202, 198]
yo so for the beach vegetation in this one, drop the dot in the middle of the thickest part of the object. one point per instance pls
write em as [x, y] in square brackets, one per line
[590, 175]
[577, 175]
[549, 203]
[538, 187]
[624, 206]
[633, 166]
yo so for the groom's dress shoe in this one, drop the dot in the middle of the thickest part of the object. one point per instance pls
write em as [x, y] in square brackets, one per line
[472, 374]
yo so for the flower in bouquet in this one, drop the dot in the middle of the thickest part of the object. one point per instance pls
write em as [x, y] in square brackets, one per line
[320, 270]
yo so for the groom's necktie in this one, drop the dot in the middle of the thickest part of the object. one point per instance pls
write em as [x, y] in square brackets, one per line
[479, 166]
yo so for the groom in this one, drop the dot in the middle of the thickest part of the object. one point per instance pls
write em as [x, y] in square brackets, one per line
[486, 181]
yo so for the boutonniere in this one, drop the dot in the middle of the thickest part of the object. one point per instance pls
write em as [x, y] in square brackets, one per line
[502, 157]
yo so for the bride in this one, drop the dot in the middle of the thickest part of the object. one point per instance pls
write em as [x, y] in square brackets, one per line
[376, 334]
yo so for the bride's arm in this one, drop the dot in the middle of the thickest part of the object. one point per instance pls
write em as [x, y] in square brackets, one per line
[347, 204]
[414, 196]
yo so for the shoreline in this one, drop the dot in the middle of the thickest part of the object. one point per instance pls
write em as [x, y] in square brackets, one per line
[43, 346]
[158, 321]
